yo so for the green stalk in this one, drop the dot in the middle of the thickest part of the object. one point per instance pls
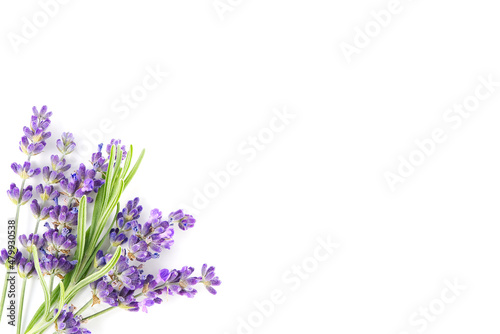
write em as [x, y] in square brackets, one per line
[84, 307]
[21, 306]
[51, 286]
[99, 313]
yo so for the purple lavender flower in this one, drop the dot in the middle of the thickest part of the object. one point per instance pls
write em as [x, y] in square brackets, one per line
[116, 238]
[47, 193]
[127, 218]
[103, 292]
[51, 177]
[32, 239]
[59, 164]
[37, 135]
[185, 283]
[39, 212]
[101, 259]
[184, 221]
[33, 141]
[117, 143]
[59, 266]
[68, 323]
[82, 182]
[59, 242]
[99, 163]
[63, 217]
[70, 186]
[25, 268]
[16, 197]
[66, 144]
[25, 171]
[132, 211]
[124, 275]
[209, 279]
[13, 193]
[43, 114]
[7, 257]
[126, 300]
[138, 249]
[31, 149]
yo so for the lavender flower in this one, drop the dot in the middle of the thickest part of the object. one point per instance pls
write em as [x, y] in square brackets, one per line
[59, 164]
[101, 259]
[103, 292]
[138, 249]
[184, 221]
[66, 144]
[63, 217]
[82, 182]
[19, 198]
[51, 177]
[116, 238]
[25, 268]
[209, 279]
[124, 275]
[7, 258]
[43, 114]
[126, 300]
[59, 242]
[59, 266]
[117, 143]
[68, 323]
[31, 149]
[99, 163]
[185, 283]
[32, 239]
[47, 193]
[25, 171]
[33, 141]
[127, 218]
[39, 212]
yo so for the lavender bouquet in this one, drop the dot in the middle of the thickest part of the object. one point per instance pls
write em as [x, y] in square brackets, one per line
[89, 245]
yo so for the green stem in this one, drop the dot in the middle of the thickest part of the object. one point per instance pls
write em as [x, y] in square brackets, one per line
[51, 286]
[84, 307]
[4, 292]
[99, 313]
[21, 306]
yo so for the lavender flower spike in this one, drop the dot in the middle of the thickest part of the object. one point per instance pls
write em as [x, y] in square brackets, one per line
[33, 239]
[16, 197]
[47, 193]
[25, 171]
[117, 143]
[59, 165]
[31, 149]
[68, 323]
[66, 144]
[209, 279]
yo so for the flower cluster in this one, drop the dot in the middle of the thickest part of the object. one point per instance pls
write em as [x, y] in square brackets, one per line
[66, 249]
[126, 282]
[33, 141]
[68, 323]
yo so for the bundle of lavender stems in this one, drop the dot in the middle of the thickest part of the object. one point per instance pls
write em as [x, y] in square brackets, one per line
[84, 243]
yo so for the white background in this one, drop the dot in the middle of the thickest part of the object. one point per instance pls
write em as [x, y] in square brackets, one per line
[322, 176]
